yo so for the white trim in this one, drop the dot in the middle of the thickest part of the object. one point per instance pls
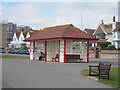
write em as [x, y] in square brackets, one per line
[103, 29]
[96, 30]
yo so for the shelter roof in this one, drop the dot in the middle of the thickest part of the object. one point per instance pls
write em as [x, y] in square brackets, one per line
[61, 31]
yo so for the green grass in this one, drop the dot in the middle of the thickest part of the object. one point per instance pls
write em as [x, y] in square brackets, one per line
[12, 57]
[113, 80]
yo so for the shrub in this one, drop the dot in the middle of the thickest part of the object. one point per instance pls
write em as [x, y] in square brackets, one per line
[24, 47]
[118, 48]
[107, 46]
[2, 48]
[111, 47]
[104, 44]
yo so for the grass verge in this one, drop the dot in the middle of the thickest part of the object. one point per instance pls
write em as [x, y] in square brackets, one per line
[12, 57]
[113, 80]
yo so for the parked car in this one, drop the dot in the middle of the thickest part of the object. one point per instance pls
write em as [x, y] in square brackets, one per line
[2, 51]
[17, 51]
[11, 51]
[25, 52]
[20, 52]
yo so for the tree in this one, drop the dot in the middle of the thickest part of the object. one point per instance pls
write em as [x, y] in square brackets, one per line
[104, 44]
[107, 46]
[24, 47]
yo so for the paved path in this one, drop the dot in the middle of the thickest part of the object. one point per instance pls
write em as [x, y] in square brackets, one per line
[36, 74]
[113, 62]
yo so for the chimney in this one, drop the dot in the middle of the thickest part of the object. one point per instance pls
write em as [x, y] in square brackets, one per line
[102, 22]
[113, 18]
[114, 23]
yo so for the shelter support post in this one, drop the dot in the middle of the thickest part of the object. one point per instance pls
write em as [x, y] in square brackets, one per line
[62, 52]
[87, 51]
[30, 50]
[45, 50]
[59, 52]
[33, 50]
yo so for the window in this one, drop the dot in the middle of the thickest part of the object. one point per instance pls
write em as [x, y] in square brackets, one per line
[21, 38]
[100, 36]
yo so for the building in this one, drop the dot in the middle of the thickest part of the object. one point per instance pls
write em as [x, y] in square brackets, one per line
[18, 38]
[7, 31]
[90, 31]
[116, 37]
[23, 28]
[105, 33]
[3, 33]
[61, 40]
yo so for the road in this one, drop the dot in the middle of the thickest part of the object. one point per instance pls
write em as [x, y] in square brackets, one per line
[21, 73]
[22, 55]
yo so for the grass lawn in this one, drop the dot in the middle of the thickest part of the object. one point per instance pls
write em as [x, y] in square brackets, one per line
[113, 80]
[13, 57]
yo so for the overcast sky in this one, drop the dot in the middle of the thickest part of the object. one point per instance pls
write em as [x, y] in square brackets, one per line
[39, 15]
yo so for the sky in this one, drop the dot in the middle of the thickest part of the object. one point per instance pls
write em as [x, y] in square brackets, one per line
[39, 15]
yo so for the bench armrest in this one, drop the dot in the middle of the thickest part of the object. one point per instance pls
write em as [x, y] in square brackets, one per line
[93, 66]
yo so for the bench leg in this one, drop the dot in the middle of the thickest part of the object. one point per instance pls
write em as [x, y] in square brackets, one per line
[99, 76]
[90, 71]
[108, 77]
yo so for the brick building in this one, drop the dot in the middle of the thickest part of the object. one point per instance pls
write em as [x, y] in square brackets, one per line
[7, 31]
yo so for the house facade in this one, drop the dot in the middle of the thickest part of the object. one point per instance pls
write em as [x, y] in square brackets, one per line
[62, 40]
[116, 37]
[103, 33]
[106, 33]
[18, 39]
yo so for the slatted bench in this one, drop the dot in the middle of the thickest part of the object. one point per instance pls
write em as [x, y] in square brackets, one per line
[102, 69]
[56, 57]
[72, 57]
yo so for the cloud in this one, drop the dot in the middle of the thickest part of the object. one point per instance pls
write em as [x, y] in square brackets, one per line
[60, 0]
[41, 15]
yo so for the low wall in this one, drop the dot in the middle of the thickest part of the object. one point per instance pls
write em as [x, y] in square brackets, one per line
[106, 54]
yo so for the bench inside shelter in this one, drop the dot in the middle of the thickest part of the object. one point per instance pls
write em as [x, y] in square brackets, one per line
[73, 58]
[69, 58]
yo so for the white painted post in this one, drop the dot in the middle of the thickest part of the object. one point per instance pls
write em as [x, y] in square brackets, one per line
[61, 50]
[31, 51]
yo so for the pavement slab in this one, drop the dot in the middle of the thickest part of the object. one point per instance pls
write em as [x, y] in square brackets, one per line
[36, 74]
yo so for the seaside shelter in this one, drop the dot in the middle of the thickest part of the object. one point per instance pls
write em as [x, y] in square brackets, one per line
[60, 40]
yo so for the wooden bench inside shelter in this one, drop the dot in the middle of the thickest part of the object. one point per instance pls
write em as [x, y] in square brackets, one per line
[56, 57]
[73, 58]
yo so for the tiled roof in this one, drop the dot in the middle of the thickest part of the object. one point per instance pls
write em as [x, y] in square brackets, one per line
[25, 32]
[117, 29]
[107, 28]
[90, 31]
[61, 31]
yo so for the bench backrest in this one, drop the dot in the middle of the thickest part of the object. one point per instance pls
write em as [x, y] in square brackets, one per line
[69, 56]
[104, 67]
[57, 56]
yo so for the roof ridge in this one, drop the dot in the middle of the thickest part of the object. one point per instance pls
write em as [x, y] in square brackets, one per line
[66, 30]
[58, 26]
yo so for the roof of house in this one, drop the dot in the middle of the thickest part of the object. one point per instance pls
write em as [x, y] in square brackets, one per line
[90, 31]
[61, 31]
[117, 24]
[31, 32]
[117, 29]
[104, 28]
